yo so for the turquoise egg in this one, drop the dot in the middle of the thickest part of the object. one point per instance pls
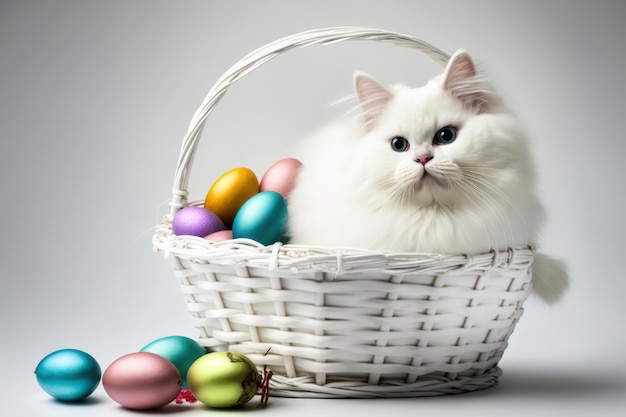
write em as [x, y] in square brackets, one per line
[262, 218]
[180, 350]
[68, 374]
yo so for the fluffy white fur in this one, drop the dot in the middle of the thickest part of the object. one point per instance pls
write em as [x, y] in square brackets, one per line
[468, 196]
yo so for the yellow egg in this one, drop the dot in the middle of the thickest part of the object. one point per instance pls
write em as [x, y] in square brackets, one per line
[229, 192]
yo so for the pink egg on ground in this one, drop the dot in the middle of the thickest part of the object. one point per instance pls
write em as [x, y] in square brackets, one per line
[281, 176]
[196, 221]
[142, 381]
[221, 235]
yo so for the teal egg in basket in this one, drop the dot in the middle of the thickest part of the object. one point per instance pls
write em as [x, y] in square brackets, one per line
[262, 218]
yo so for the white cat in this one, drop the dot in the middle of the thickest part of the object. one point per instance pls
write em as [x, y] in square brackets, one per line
[444, 168]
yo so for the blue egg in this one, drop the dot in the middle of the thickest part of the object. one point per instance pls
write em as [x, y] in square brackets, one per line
[262, 218]
[68, 374]
[180, 350]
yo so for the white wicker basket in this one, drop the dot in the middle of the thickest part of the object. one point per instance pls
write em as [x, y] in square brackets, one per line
[346, 322]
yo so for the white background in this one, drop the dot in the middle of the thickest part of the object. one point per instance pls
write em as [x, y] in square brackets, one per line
[96, 96]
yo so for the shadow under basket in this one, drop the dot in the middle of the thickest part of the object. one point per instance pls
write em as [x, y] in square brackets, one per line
[346, 323]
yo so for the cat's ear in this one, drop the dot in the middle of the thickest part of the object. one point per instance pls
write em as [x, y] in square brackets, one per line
[461, 79]
[373, 97]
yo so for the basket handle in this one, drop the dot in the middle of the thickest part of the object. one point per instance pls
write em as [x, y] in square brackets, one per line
[259, 57]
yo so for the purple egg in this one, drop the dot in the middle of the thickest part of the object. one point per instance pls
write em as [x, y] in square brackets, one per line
[196, 221]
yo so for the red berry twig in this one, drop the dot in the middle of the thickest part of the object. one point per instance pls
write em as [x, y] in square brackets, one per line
[185, 395]
[265, 385]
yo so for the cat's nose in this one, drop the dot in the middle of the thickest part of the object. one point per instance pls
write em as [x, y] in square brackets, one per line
[422, 159]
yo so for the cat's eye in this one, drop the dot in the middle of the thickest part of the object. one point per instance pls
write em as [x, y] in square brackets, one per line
[445, 135]
[399, 144]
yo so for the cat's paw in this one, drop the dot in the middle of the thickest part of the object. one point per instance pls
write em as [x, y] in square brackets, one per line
[550, 278]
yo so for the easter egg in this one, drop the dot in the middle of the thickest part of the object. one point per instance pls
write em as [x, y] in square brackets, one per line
[68, 374]
[223, 379]
[262, 218]
[221, 235]
[196, 221]
[180, 350]
[229, 192]
[281, 176]
[142, 381]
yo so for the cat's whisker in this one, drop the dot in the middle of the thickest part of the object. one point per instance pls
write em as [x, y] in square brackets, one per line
[390, 189]
[507, 199]
[348, 98]
[488, 192]
[477, 196]
[500, 217]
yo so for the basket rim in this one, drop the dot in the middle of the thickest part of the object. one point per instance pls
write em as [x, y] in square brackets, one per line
[338, 260]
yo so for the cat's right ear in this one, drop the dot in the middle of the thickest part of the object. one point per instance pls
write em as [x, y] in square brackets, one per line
[373, 97]
[461, 79]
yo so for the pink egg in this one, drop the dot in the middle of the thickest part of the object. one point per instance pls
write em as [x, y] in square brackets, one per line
[196, 221]
[142, 381]
[281, 176]
[221, 235]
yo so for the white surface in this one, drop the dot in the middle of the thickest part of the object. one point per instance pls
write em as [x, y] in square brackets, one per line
[95, 98]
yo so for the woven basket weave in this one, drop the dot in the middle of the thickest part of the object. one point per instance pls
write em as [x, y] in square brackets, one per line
[345, 322]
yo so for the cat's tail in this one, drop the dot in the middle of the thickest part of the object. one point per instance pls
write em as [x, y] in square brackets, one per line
[550, 278]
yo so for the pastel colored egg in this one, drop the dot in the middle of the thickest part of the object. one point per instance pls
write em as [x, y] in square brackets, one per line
[180, 350]
[281, 176]
[262, 218]
[196, 221]
[229, 192]
[220, 236]
[68, 374]
[223, 379]
[142, 381]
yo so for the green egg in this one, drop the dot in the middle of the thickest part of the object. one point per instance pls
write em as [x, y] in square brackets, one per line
[223, 379]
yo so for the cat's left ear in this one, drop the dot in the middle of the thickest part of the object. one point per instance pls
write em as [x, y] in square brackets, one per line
[373, 97]
[461, 79]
